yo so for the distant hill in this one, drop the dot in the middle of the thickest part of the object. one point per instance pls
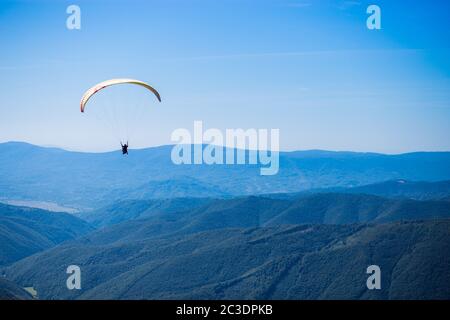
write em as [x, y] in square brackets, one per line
[139, 209]
[193, 215]
[418, 190]
[183, 187]
[341, 208]
[283, 262]
[395, 189]
[11, 291]
[25, 231]
[91, 180]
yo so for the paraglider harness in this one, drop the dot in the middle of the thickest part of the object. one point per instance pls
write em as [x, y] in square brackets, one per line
[124, 148]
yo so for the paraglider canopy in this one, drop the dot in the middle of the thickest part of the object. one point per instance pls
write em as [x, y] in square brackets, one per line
[93, 90]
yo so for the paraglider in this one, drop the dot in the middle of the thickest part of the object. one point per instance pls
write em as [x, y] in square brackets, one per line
[124, 148]
[93, 90]
[102, 85]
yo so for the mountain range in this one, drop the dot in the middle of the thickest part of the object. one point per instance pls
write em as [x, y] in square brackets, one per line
[92, 180]
[257, 211]
[403, 189]
[283, 262]
[141, 227]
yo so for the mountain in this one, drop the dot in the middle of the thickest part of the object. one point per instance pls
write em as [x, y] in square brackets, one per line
[91, 180]
[25, 231]
[224, 232]
[189, 215]
[341, 208]
[11, 291]
[183, 187]
[139, 209]
[282, 262]
[396, 189]
[418, 190]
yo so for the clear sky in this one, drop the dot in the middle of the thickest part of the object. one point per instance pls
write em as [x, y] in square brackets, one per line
[310, 68]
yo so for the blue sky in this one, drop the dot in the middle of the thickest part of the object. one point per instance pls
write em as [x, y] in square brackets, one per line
[310, 68]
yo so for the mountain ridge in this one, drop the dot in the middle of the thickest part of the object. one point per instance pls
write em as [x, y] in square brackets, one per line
[304, 152]
[88, 180]
[25, 231]
[183, 214]
[253, 263]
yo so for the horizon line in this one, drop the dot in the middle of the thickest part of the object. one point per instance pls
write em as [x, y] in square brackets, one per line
[257, 150]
